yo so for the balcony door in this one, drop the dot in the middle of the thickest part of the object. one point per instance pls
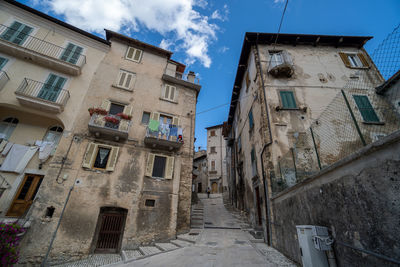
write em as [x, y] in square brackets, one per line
[52, 88]
[25, 195]
[17, 33]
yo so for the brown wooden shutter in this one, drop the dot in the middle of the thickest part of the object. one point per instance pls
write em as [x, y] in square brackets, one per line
[363, 60]
[89, 155]
[345, 59]
[149, 165]
[112, 160]
[169, 168]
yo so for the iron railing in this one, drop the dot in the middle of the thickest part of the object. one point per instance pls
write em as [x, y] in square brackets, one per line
[166, 133]
[44, 92]
[3, 79]
[99, 121]
[43, 47]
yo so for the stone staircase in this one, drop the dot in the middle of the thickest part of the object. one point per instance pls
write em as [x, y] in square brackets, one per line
[197, 216]
[183, 240]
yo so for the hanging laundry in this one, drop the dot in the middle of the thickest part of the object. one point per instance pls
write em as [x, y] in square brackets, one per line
[45, 153]
[173, 131]
[18, 157]
[153, 125]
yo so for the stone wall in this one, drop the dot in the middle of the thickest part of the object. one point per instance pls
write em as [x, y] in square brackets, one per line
[357, 199]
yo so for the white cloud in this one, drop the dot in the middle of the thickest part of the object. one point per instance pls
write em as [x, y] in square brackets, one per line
[191, 30]
[278, 1]
[221, 15]
[223, 49]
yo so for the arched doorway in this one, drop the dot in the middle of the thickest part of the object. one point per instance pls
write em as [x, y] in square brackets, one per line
[110, 229]
[214, 187]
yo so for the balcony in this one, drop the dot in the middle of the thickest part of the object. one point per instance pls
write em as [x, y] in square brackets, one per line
[3, 79]
[42, 96]
[111, 126]
[41, 52]
[167, 138]
[184, 79]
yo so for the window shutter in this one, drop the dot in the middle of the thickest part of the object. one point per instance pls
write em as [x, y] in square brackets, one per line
[175, 121]
[288, 100]
[123, 125]
[112, 160]
[155, 116]
[363, 60]
[89, 155]
[149, 165]
[128, 110]
[138, 55]
[345, 59]
[129, 53]
[106, 104]
[172, 93]
[364, 106]
[128, 80]
[169, 168]
[3, 62]
[121, 80]
[166, 91]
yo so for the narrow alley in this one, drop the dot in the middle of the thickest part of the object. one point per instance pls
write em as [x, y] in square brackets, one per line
[224, 241]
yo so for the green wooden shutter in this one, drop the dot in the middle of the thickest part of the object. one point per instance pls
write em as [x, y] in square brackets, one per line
[17, 33]
[364, 106]
[3, 62]
[71, 53]
[52, 88]
[22, 35]
[288, 100]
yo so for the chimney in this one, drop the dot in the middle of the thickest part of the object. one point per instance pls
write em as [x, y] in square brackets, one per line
[191, 76]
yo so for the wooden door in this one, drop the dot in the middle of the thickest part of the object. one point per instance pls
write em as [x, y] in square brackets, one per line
[112, 223]
[214, 188]
[25, 195]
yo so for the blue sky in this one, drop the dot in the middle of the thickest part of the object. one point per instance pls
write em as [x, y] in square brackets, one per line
[207, 35]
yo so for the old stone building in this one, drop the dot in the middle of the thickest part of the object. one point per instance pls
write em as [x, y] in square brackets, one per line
[216, 153]
[200, 171]
[106, 130]
[284, 85]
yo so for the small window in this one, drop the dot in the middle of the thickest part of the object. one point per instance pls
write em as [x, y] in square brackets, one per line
[17, 33]
[288, 100]
[239, 143]
[102, 157]
[212, 149]
[125, 79]
[145, 117]
[354, 60]
[7, 127]
[212, 133]
[72, 54]
[364, 106]
[159, 166]
[150, 202]
[213, 165]
[253, 162]
[247, 81]
[134, 54]
[3, 62]
[169, 92]
[251, 120]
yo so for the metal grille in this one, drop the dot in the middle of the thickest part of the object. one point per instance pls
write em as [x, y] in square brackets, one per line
[110, 232]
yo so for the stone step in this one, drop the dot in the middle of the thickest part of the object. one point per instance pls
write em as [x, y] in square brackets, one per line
[180, 243]
[187, 238]
[166, 246]
[149, 250]
[131, 254]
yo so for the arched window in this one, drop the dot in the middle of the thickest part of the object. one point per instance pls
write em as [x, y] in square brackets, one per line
[53, 135]
[7, 127]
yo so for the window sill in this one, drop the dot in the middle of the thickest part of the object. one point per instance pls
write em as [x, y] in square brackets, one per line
[358, 68]
[168, 100]
[122, 88]
[373, 123]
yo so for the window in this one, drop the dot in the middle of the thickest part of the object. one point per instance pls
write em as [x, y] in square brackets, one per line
[7, 127]
[52, 88]
[253, 162]
[251, 120]
[288, 100]
[169, 92]
[99, 156]
[145, 117]
[159, 166]
[213, 165]
[354, 60]
[17, 33]
[125, 79]
[239, 143]
[72, 53]
[212, 149]
[212, 133]
[134, 54]
[150, 202]
[364, 106]
[3, 62]
[247, 81]
[53, 135]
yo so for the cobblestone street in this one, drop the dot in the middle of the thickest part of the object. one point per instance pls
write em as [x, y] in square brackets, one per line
[223, 242]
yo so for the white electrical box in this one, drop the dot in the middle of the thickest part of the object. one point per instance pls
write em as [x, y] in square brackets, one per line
[310, 255]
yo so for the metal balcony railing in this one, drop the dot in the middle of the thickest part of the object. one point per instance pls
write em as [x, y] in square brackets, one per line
[43, 92]
[3, 79]
[42, 47]
[98, 124]
[166, 133]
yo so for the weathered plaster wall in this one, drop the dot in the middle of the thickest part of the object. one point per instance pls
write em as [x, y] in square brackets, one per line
[357, 199]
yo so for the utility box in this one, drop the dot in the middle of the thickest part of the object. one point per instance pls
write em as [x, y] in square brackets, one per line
[310, 255]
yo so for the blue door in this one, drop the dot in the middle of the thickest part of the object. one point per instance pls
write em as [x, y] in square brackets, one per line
[52, 88]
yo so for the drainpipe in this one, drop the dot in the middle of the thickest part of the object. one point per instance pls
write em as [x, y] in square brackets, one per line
[265, 180]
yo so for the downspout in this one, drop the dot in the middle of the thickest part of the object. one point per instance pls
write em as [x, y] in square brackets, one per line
[265, 180]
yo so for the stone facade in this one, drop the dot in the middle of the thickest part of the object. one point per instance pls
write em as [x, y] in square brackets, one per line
[200, 171]
[216, 158]
[130, 158]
